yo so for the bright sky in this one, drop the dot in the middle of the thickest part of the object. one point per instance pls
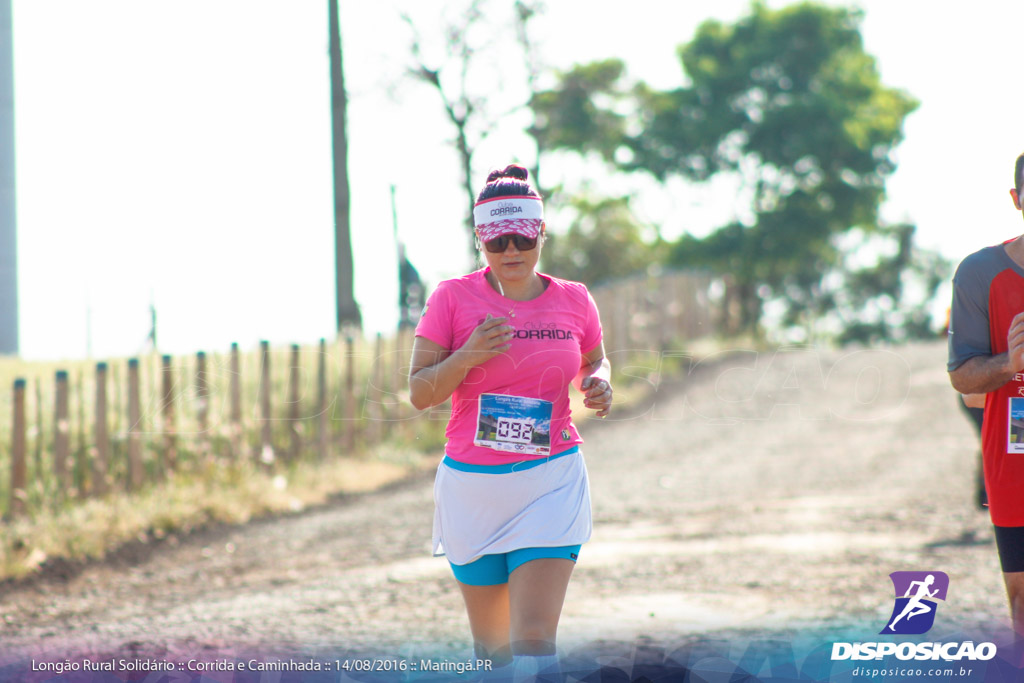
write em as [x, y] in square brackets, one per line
[179, 153]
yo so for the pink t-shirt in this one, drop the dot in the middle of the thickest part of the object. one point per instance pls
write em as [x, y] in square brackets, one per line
[552, 332]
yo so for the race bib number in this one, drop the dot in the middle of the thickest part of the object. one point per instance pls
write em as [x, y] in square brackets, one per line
[1015, 438]
[514, 424]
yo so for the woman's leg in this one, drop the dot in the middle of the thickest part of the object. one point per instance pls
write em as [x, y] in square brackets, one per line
[536, 592]
[488, 610]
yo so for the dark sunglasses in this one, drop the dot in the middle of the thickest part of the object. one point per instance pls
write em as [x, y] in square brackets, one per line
[500, 244]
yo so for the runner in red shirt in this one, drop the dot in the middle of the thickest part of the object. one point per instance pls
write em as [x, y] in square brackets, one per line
[986, 356]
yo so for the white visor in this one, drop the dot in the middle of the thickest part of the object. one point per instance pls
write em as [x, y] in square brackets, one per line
[503, 215]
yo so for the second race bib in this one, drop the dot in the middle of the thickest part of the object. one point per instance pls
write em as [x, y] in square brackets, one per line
[1015, 438]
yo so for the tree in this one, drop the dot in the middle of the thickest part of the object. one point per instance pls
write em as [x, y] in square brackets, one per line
[525, 12]
[786, 101]
[469, 42]
[604, 239]
[464, 109]
[603, 242]
[348, 309]
[887, 300]
[580, 113]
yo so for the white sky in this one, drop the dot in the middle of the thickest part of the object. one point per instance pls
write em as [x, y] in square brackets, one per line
[180, 153]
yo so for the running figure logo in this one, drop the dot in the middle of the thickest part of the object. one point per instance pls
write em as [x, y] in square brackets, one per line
[916, 595]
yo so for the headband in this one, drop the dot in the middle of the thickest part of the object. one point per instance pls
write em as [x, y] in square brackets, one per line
[504, 215]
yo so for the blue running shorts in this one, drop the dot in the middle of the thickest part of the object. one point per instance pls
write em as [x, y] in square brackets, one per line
[492, 570]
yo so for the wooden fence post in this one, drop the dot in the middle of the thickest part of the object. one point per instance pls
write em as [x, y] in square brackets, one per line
[202, 406]
[118, 413]
[407, 339]
[665, 293]
[619, 324]
[82, 455]
[236, 403]
[266, 445]
[684, 306]
[19, 474]
[39, 434]
[61, 434]
[135, 472]
[294, 377]
[321, 402]
[672, 287]
[375, 392]
[170, 454]
[350, 395]
[391, 383]
[101, 458]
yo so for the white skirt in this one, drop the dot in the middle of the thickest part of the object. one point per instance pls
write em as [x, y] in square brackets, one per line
[478, 514]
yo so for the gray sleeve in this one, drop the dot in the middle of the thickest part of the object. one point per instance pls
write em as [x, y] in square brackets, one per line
[968, 317]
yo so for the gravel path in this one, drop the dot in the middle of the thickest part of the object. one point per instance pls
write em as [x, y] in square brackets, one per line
[762, 493]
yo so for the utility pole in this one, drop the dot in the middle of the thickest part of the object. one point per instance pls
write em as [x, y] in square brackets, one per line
[8, 212]
[348, 309]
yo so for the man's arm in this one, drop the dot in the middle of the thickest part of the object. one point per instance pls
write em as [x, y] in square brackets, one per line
[973, 400]
[982, 374]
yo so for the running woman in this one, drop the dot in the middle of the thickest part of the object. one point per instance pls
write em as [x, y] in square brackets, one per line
[986, 356]
[512, 501]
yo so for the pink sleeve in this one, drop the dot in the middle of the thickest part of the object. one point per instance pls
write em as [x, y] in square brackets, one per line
[436, 321]
[592, 332]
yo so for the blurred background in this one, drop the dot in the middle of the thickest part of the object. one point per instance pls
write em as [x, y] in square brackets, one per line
[218, 225]
[175, 161]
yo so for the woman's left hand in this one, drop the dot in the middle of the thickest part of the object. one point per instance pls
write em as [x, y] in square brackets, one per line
[597, 394]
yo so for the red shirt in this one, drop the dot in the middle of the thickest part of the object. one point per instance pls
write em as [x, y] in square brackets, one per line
[988, 291]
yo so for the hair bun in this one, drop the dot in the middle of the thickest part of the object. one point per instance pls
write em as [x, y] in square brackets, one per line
[511, 171]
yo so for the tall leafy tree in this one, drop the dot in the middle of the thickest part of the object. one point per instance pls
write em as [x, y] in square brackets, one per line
[788, 102]
[887, 299]
[604, 241]
[581, 114]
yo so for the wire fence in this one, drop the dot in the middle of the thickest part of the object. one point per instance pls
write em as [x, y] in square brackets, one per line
[85, 431]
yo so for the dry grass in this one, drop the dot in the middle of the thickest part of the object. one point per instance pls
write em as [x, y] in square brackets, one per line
[91, 529]
[378, 386]
[199, 495]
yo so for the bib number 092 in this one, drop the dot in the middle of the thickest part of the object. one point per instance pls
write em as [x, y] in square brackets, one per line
[515, 431]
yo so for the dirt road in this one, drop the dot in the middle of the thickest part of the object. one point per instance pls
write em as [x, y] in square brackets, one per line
[761, 493]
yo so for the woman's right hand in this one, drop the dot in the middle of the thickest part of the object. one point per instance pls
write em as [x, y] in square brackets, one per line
[435, 372]
[490, 338]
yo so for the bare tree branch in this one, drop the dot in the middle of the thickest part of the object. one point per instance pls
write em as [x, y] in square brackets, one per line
[452, 78]
[525, 11]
